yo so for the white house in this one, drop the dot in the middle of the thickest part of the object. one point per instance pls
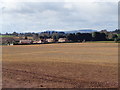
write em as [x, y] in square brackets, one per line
[37, 41]
[25, 41]
[63, 40]
[50, 40]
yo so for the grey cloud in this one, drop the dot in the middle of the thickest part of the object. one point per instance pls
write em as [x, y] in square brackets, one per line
[37, 16]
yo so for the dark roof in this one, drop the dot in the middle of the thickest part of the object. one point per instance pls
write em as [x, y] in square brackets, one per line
[9, 39]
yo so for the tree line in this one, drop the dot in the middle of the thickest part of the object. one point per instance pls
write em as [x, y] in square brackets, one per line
[79, 37]
[102, 35]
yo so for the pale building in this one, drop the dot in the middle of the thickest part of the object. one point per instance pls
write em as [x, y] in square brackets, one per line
[63, 40]
[25, 41]
[50, 40]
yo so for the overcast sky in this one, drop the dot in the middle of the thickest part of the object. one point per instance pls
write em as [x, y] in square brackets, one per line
[42, 16]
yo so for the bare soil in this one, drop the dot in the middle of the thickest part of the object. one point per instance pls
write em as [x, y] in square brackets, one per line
[72, 65]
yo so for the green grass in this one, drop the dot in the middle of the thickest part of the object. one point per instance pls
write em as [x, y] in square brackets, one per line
[101, 42]
[118, 35]
[6, 36]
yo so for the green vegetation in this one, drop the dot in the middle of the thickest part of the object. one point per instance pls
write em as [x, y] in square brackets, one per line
[118, 35]
[6, 36]
[102, 36]
[101, 42]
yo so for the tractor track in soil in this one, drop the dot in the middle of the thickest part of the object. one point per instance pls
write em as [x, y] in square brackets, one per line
[49, 78]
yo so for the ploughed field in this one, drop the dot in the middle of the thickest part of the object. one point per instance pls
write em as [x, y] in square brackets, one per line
[65, 65]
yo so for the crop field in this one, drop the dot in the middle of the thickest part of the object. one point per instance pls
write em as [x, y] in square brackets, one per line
[64, 65]
[6, 36]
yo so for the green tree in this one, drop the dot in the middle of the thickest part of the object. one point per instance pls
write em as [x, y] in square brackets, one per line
[72, 37]
[55, 36]
[97, 36]
[26, 37]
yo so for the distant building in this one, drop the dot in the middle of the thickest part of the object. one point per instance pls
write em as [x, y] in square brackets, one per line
[50, 40]
[9, 40]
[62, 40]
[11, 44]
[110, 35]
[25, 41]
[37, 41]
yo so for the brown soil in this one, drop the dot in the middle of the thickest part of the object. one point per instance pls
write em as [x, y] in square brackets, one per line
[72, 65]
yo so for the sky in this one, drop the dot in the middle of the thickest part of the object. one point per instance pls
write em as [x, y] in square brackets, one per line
[59, 15]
